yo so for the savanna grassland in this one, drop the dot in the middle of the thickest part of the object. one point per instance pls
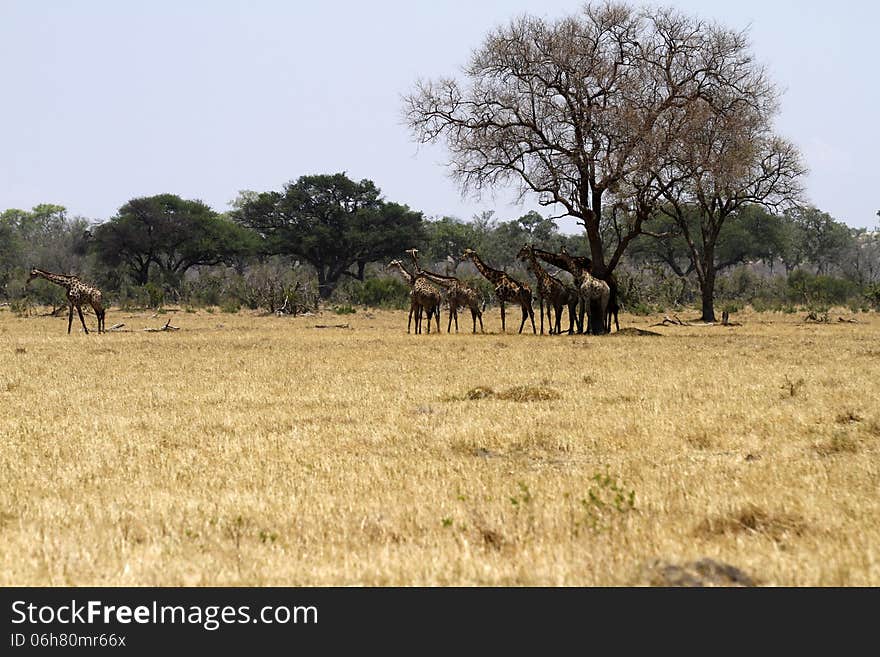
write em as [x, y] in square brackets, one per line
[257, 450]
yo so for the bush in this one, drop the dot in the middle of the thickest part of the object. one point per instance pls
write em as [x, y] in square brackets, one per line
[155, 295]
[381, 292]
[872, 295]
[812, 289]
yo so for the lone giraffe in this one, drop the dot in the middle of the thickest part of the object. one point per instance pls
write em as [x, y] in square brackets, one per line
[506, 289]
[458, 294]
[78, 293]
[423, 296]
[557, 294]
[594, 293]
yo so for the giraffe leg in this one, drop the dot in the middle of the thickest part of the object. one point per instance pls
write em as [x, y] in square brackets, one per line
[437, 310]
[482, 330]
[82, 319]
[456, 321]
[449, 324]
[525, 316]
[409, 321]
[532, 317]
[69, 319]
[541, 301]
[503, 330]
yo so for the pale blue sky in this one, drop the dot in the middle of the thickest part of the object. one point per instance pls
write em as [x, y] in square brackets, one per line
[105, 101]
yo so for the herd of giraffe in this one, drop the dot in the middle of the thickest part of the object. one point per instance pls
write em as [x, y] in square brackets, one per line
[586, 292]
[425, 297]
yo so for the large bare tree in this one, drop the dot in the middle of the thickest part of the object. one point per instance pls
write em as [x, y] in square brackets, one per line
[580, 111]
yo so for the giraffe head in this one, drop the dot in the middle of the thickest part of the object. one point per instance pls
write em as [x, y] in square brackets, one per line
[35, 273]
[467, 254]
[399, 266]
[414, 255]
[581, 261]
[525, 252]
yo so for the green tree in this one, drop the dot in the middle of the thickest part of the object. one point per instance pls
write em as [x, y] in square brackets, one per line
[445, 239]
[44, 236]
[171, 233]
[825, 240]
[333, 223]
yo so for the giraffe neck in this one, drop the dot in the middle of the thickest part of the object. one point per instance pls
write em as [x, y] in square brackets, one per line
[445, 281]
[490, 274]
[540, 273]
[564, 261]
[409, 277]
[415, 259]
[58, 279]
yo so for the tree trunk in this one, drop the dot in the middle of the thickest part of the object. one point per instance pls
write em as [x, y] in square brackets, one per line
[141, 272]
[597, 252]
[325, 285]
[707, 284]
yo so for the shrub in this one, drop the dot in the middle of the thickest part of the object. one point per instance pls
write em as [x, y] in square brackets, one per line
[813, 289]
[872, 295]
[382, 292]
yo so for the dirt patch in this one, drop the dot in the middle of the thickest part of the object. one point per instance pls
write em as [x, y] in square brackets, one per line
[528, 394]
[752, 519]
[480, 392]
[704, 572]
[839, 443]
[629, 330]
[516, 393]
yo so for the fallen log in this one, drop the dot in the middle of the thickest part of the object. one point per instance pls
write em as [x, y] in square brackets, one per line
[167, 327]
[671, 321]
[339, 326]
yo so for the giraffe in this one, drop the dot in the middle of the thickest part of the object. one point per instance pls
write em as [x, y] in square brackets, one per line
[506, 289]
[78, 293]
[458, 294]
[551, 289]
[594, 292]
[572, 301]
[423, 296]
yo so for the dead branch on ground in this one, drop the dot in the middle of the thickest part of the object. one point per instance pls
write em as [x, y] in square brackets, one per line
[672, 321]
[167, 327]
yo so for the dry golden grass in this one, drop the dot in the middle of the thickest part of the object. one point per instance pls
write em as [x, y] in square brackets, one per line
[249, 450]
